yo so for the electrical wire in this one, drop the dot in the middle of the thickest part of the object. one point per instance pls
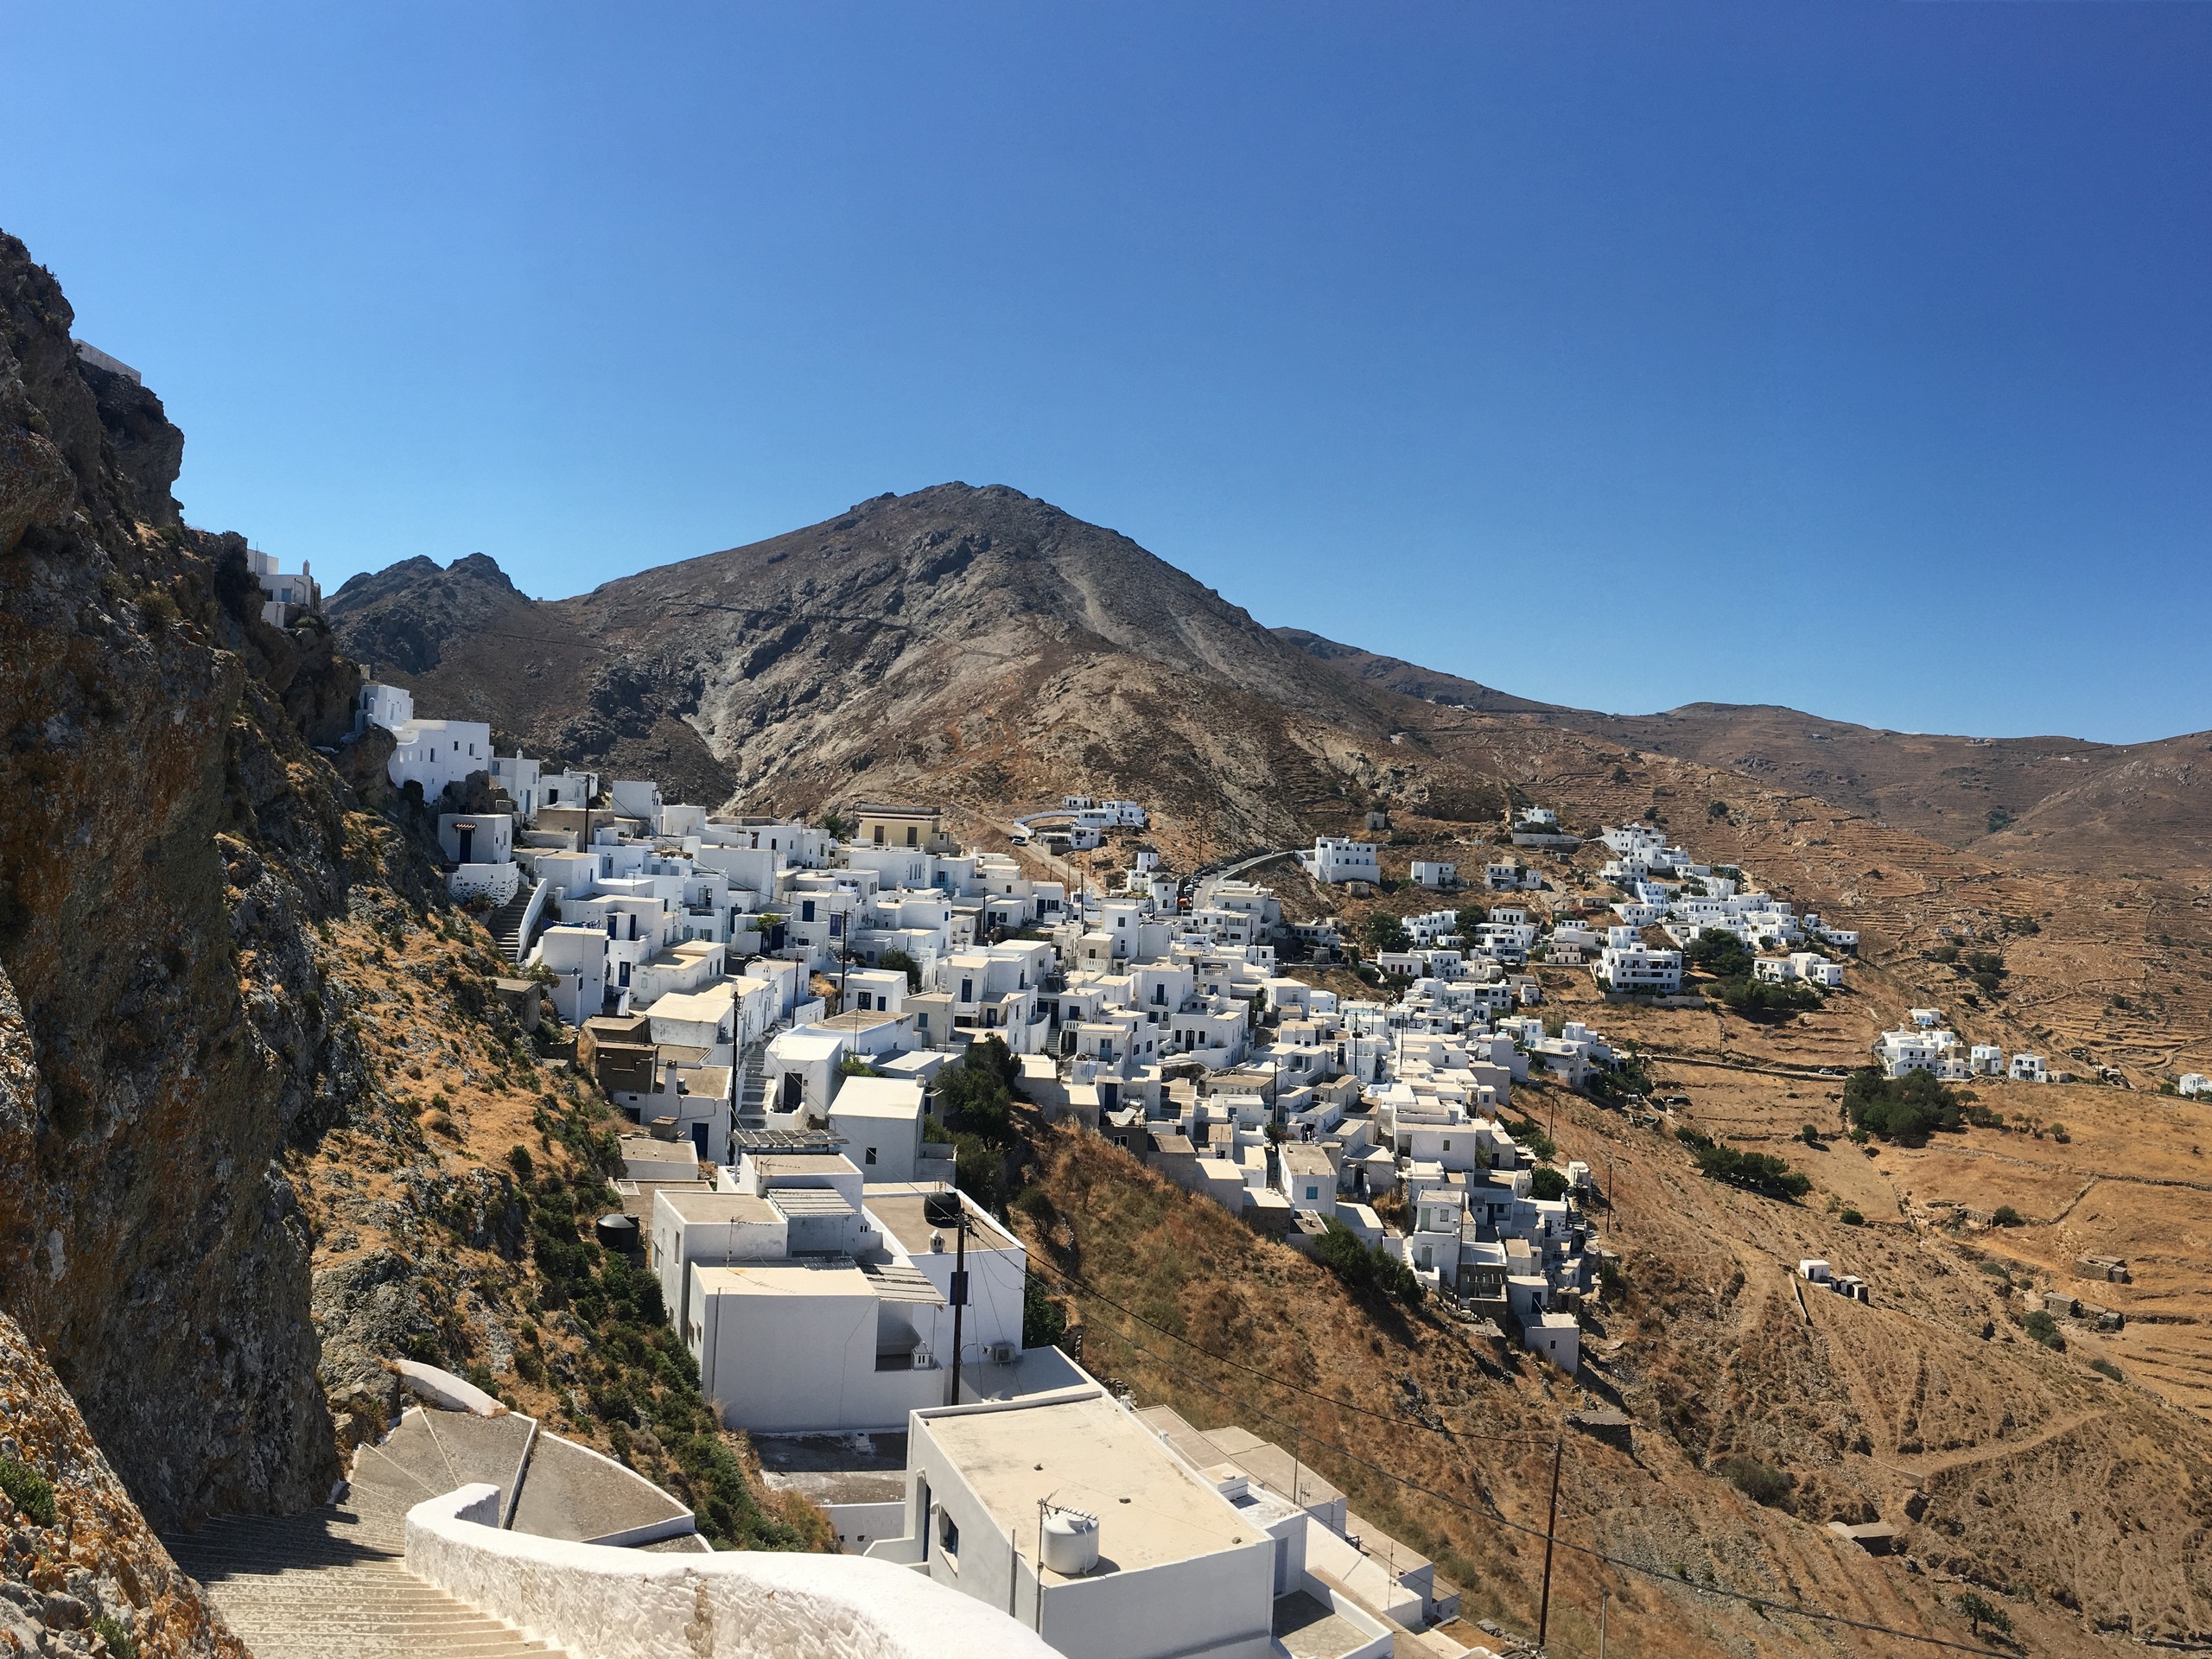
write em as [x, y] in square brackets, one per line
[1492, 1512]
[1083, 1289]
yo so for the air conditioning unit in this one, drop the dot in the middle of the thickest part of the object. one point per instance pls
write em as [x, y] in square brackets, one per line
[1003, 1353]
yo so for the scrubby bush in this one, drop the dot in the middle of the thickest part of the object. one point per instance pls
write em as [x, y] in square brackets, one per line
[1757, 999]
[1852, 1218]
[121, 1644]
[1980, 1611]
[2042, 1328]
[2104, 1367]
[1366, 1272]
[1546, 1184]
[1760, 1482]
[29, 1490]
[1755, 1172]
[1043, 1321]
[2006, 1215]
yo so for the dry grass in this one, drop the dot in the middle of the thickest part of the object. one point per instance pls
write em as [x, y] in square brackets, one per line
[1715, 1361]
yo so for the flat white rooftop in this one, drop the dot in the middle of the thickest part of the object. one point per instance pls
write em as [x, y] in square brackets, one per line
[799, 1277]
[700, 1205]
[1090, 1454]
[898, 1209]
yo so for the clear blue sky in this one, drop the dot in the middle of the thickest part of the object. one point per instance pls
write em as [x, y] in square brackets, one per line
[1857, 357]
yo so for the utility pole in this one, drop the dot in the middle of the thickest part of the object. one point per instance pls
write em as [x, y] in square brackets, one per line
[1604, 1599]
[1551, 1526]
[942, 1209]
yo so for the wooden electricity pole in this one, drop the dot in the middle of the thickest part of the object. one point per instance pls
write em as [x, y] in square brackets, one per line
[1551, 1526]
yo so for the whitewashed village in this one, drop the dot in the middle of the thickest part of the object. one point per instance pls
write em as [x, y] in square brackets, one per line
[776, 1008]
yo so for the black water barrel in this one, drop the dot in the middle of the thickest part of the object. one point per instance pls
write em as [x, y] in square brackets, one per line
[617, 1232]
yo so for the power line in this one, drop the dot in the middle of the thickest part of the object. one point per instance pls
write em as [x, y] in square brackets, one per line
[1492, 1512]
[1084, 1289]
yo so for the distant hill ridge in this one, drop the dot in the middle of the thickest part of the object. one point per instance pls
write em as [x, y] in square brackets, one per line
[870, 643]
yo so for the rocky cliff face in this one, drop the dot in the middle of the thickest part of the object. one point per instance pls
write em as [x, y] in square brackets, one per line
[264, 1126]
[78, 1565]
[169, 835]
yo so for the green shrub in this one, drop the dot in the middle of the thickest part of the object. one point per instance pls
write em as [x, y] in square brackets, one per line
[1757, 999]
[2104, 1367]
[1036, 1203]
[2006, 1215]
[1385, 932]
[1760, 1482]
[2042, 1328]
[1906, 1109]
[899, 961]
[1374, 1273]
[1530, 1133]
[30, 1491]
[1722, 955]
[1809, 1136]
[1547, 1184]
[978, 1168]
[976, 1092]
[1043, 1321]
[1978, 1612]
[120, 1643]
[1755, 1172]
[1852, 1218]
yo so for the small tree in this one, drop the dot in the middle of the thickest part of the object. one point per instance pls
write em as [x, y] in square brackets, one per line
[1385, 932]
[1720, 954]
[1043, 1321]
[1546, 1184]
[899, 961]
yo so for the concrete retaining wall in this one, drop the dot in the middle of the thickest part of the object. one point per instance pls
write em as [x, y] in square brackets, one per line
[600, 1603]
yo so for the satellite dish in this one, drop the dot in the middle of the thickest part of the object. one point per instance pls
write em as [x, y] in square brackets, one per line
[942, 1209]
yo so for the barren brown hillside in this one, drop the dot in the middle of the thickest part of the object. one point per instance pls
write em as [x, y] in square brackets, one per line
[981, 649]
[2063, 1494]
[2039, 803]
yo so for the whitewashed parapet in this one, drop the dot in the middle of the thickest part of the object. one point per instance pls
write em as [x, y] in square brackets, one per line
[498, 882]
[603, 1603]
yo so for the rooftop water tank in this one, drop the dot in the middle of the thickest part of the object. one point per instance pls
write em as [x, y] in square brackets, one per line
[1071, 1543]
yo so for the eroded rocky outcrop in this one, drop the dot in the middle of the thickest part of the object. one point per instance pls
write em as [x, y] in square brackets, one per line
[170, 836]
[79, 1566]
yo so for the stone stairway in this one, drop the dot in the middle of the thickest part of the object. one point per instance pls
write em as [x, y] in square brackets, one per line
[752, 1087]
[334, 1584]
[504, 924]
